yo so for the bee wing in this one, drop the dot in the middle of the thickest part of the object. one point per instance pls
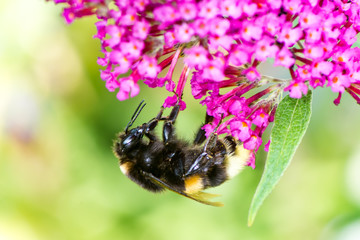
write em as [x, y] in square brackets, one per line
[199, 196]
[203, 197]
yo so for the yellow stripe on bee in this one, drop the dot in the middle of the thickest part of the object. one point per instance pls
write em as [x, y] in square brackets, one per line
[237, 161]
[193, 184]
[125, 167]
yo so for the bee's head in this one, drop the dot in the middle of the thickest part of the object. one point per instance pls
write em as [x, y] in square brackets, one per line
[129, 139]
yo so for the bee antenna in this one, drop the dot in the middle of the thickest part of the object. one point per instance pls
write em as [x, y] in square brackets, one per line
[135, 115]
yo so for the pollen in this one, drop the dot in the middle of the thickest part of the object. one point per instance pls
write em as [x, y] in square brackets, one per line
[259, 5]
[71, 15]
[125, 59]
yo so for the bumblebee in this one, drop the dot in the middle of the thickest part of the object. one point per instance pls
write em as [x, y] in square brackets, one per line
[174, 164]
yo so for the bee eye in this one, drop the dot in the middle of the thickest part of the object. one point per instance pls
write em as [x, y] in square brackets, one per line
[128, 140]
[131, 140]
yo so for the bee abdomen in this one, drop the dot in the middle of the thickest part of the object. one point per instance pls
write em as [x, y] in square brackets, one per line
[237, 160]
[217, 175]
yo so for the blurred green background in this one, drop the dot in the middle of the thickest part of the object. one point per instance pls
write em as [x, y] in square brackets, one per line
[60, 180]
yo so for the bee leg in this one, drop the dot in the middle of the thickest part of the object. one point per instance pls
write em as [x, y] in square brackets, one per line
[153, 122]
[213, 138]
[211, 142]
[210, 161]
[200, 136]
[168, 129]
[151, 125]
[206, 157]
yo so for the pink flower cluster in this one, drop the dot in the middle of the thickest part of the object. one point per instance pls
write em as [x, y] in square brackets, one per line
[222, 42]
[80, 8]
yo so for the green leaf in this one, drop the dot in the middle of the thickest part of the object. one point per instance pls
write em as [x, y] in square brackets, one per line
[291, 121]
